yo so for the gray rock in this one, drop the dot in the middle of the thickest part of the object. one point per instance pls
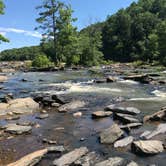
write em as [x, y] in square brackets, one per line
[88, 159]
[115, 161]
[125, 118]
[144, 134]
[123, 110]
[132, 163]
[161, 129]
[45, 140]
[110, 135]
[130, 126]
[70, 157]
[56, 149]
[101, 114]
[17, 129]
[42, 116]
[71, 106]
[147, 147]
[123, 142]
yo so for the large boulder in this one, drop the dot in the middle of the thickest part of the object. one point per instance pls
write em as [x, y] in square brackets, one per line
[70, 157]
[19, 106]
[150, 147]
[123, 110]
[30, 159]
[71, 106]
[115, 161]
[123, 142]
[110, 135]
[3, 79]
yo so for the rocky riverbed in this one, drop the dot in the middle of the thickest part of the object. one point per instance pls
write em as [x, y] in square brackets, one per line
[113, 115]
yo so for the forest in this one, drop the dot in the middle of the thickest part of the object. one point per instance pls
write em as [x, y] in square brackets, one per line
[137, 33]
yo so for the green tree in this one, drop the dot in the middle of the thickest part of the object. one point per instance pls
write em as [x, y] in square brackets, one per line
[2, 6]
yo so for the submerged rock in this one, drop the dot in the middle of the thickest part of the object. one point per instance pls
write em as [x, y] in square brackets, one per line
[101, 114]
[123, 142]
[77, 114]
[30, 159]
[115, 161]
[123, 110]
[160, 115]
[56, 149]
[161, 129]
[110, 135]
[147, 147]
[42, 116]
[71, 106]
[17, 129]
[70, 157]
[125, 118]
[45, 140]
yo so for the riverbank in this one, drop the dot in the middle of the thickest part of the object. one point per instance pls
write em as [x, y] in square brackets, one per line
[80, 108]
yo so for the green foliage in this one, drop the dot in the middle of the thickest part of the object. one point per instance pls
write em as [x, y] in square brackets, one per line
[2, 6]
[41, 61]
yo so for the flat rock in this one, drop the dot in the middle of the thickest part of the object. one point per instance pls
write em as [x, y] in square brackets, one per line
[42, 116]
[150, 147]
[87, 160]
[17, 129]
[161, 129]
[3, 78]
[71, 106]
[110, 135]
[56, 149]
[132, 163]
[70, 157]
[123, 142]
[130, 125]
[123, 110]
[77, 114]
[115, 161]
[158, 116]
[30, 159]
[101, 114]
[144, 134]
[125, 118]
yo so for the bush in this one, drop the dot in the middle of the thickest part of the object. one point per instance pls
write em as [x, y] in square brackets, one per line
[41, 61]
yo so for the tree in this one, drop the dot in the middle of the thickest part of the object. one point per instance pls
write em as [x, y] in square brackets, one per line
[2, 6]
[56, 22]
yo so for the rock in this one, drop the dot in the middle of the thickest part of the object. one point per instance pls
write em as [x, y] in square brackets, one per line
[58, 99]
[55, 105]
[71, 106]
[45, 140]
[123, 142]
[161, 129]
[111, 79]
[147, 147]
[3, 79]
[30, 159]
[87, 160]
[144, 134]
[123, 110]
[70, 157]
[130, 126]
[6, 70]
[26, 123]
[132, 163]
[17, 129]
[13, 118]
[77, 114]
[110, 135]
[101, 114]
[115, 161]
[100, 81]
[56, 149]
[145, 79]
[42, 116]
[125, 118]
[158, 116]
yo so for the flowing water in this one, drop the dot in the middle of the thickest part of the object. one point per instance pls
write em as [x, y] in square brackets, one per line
[67, 130]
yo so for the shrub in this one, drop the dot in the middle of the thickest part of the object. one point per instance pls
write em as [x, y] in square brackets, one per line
[41, 61]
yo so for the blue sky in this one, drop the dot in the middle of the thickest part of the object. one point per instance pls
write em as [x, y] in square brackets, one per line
[18, 23]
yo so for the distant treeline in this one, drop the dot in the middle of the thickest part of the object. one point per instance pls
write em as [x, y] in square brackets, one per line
[137, 33]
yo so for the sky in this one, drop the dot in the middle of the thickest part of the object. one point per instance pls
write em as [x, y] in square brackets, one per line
[18, 22]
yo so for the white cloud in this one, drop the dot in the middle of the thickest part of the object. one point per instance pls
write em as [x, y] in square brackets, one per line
[36, 34]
